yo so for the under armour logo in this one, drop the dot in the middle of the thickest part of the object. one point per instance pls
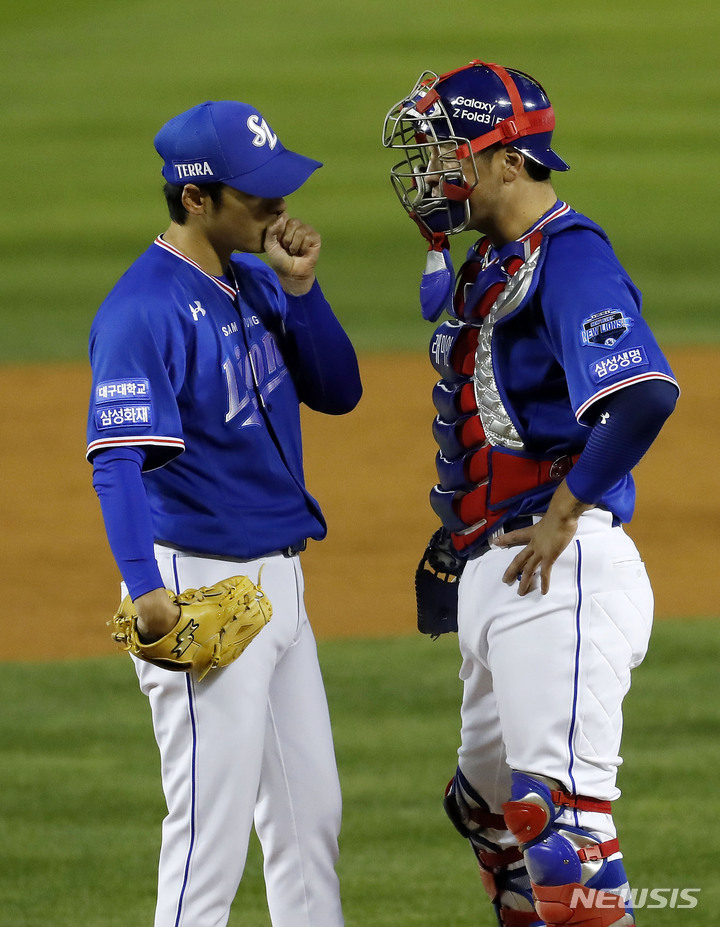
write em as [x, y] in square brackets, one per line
[604, 418]
[197, 310]
[185, 637]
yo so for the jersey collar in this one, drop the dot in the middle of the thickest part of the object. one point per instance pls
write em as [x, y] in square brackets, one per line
[225, 287]
[559, 209]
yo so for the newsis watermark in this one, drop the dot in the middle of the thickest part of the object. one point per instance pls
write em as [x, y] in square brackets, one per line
[677, 898]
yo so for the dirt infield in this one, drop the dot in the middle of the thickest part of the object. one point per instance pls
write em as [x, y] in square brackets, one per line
[371, 470]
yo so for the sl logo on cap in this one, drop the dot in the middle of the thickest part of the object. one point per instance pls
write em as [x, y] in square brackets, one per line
[264, 135]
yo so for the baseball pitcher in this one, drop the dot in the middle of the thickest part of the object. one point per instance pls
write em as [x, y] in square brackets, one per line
[201, 356]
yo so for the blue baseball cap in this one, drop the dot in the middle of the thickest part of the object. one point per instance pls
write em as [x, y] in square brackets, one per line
[229, 142]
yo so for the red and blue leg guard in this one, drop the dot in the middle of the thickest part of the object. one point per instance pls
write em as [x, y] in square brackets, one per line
[577, 877]
[502, 868]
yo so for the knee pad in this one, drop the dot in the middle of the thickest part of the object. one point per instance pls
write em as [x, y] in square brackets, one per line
[576, 876]
[502, 869]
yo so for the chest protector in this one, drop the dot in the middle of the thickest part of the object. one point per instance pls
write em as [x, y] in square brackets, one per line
[485, 473]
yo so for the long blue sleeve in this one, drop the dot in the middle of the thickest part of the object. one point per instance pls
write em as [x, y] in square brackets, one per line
[117, 479]
[322, 358]
[628, 424]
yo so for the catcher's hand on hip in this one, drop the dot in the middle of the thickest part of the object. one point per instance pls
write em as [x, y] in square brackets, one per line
[215, 626]
[544, 541]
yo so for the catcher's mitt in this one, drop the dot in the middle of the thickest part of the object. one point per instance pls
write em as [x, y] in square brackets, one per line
[216, 624]
[436, 586]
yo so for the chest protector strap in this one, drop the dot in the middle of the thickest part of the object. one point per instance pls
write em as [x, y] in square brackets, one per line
[502, 478]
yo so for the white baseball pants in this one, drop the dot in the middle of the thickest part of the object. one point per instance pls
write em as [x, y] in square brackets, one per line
[545, 676]
[251, 743]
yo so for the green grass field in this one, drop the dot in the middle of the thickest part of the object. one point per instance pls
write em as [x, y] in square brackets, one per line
[81, 800]
[85, 86]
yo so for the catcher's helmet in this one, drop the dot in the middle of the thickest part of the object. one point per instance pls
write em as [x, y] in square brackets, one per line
[472, 108]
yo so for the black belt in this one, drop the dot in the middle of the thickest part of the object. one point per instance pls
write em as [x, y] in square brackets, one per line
[512, 524]
[294, 548]
[285, 551]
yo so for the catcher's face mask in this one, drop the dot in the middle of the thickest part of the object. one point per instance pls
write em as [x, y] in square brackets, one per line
[429, 181]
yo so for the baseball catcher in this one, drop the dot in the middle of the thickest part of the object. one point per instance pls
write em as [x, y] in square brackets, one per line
[216, 624]
[552, 388]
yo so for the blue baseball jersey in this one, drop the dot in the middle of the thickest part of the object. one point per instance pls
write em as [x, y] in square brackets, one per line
[207, 381]
[579, 338]
[585, 323]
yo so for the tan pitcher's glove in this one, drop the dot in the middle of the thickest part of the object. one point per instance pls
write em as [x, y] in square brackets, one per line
[216, 624]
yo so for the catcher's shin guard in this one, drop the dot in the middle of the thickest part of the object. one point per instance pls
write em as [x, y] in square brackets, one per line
[577, 877]
[502, 869]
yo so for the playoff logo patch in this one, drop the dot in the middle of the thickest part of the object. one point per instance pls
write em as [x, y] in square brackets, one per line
[605, 329]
